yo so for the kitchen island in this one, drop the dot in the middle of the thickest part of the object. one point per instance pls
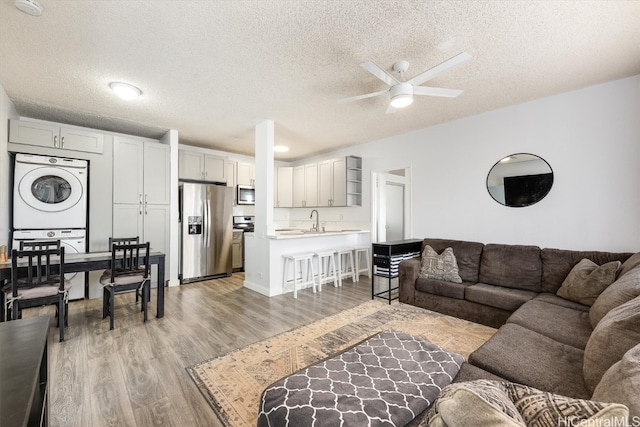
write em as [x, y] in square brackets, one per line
[264, 262]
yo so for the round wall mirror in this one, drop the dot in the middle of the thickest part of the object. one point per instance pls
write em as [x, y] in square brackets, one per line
[520, 180]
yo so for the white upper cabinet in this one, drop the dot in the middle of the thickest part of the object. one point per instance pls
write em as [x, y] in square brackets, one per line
[197, 166]
[54, 136]
[231, 173]
[284, 187]
[332, 182]
[141, 172]
[305, 186]
[245, 174]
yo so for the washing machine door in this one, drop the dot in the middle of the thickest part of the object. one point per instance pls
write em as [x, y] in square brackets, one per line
[50, 189]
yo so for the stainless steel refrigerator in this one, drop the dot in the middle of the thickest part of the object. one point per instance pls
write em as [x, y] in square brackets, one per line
[205, 231]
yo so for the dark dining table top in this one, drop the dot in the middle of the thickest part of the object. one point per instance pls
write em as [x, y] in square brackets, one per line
[22, 344]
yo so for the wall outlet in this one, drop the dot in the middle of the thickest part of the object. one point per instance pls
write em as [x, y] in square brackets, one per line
[341, 217]
[260, 275]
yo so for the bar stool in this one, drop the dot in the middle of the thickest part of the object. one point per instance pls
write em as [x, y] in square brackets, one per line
[345, 269]
[303, 262]
[359, 251]
[327, 270]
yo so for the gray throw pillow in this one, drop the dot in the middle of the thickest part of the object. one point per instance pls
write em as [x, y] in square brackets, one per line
[439, 267]
[586, 281]
[621, 383]
[624, 289]
[616, 333]
[479, 403]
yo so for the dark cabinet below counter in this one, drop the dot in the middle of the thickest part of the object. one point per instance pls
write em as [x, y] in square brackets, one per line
[24, 384]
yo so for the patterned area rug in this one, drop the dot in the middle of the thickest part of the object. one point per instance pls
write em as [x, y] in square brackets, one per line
[233, 383]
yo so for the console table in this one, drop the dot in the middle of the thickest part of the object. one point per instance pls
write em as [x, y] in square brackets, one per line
[386, 257]
[24, 393]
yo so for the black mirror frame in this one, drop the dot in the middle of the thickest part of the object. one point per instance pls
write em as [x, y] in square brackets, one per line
[541, 196]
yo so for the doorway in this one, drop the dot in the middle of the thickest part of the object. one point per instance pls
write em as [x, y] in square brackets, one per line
[391, 205]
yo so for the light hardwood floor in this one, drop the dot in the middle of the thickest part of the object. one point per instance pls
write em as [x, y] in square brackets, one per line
[135, 375]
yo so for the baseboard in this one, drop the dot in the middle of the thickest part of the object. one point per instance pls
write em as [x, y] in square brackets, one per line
[260, 289]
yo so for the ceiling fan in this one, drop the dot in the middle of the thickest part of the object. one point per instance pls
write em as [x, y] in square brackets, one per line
[402, 91]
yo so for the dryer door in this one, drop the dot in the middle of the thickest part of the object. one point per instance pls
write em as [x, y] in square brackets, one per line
[50, 189]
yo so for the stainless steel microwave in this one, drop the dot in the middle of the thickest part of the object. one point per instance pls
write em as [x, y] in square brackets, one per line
[246, 195]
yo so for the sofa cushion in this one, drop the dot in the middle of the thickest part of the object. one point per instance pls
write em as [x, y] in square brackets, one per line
[616, 333]
[527, 357]
[624, 289]
[621, 383]
[477, 403]
[562, 324]
[586, 281]
[467, 254]
[557, 263]
[511, 266]
[442, 288]
[497, 296]
[441, 266]
[469, 372]
[554, 299]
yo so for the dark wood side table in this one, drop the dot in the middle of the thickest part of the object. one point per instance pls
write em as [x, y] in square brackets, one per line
[386, 257]
[24, 393]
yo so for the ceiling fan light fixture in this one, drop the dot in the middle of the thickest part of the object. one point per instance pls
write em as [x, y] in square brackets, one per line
[401, 95]
[125, 90]
[30, 7]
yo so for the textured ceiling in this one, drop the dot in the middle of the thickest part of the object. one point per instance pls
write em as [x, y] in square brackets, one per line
[213, 69]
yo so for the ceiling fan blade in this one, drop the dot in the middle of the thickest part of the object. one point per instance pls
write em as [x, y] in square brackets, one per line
[379, 73]
[446, 65]
[436, 91]
[365, 96]
[390, 109]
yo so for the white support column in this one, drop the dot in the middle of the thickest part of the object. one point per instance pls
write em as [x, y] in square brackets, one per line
[171, 260]
[264, 178]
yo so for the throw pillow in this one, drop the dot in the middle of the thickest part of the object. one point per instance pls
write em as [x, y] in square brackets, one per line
[624, 289]
[617, 333]
[586, 281]
[439, 267]
[621, 383]
[542, 409]
[479, 403]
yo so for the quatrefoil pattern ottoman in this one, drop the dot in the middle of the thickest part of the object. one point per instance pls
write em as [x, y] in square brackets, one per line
[387, 380]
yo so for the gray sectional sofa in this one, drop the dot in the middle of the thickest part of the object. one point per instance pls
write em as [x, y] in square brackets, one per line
[543, 341]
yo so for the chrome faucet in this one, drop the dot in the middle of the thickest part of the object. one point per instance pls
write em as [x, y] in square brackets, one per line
[317, 226]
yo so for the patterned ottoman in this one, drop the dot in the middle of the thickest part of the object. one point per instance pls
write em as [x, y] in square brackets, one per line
[387, 380]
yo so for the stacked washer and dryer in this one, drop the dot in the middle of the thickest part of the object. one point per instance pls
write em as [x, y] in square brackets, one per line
[50, 203]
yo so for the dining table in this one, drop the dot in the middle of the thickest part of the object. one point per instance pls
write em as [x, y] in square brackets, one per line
[92, 261]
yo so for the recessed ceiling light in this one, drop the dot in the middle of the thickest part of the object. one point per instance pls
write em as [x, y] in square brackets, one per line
[30, 7]
[280, 148]
[125, 90]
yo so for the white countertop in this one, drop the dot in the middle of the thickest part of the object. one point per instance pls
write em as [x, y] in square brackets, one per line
[297, 234]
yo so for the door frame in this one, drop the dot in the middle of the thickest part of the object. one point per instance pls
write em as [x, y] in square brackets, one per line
[378, 180]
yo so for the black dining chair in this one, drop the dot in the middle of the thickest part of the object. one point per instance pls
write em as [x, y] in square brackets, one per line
[127, 241]
[6, 292]
[130, 271]
[42, 283]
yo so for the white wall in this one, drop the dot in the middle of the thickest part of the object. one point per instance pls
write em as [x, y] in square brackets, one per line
[7, 111]
[591, 139]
